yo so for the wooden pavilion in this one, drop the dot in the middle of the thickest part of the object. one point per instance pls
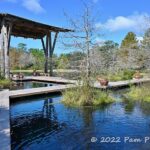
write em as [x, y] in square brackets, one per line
[11, 25]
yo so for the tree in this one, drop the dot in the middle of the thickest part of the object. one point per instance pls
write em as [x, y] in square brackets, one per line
[146, 39]
[39, 58]
[84, 36]
[108, 45]
[103, 58]
[22, 47]
[146, 48]
[130, 41]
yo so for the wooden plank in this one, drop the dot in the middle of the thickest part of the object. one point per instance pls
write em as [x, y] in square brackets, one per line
[37, 91]
[4, 120]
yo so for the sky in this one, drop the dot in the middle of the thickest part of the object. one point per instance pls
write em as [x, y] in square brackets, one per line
[115, 18]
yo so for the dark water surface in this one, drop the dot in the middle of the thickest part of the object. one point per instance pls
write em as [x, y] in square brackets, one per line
[41, 123]
[30, 84]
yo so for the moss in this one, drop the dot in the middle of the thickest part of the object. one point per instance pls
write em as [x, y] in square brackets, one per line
[86, 96]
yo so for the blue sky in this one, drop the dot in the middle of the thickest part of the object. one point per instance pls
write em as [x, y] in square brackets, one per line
[114, 17]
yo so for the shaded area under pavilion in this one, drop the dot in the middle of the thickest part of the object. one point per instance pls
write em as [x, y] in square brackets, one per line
[11, 25]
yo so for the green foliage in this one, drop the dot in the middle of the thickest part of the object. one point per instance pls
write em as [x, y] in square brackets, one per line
[129, 41]
[86, 96]
[121, 75]
[108, 45]
[141, 93]
[22, 47]
[62, 62]
[4, 83]
[39, 58]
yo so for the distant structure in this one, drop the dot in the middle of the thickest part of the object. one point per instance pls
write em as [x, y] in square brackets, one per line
[11, 25]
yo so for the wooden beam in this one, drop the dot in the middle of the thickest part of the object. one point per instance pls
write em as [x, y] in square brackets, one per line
[9, 35]
[54, 42]
[46, 55]
[52, 47]
[43, 44]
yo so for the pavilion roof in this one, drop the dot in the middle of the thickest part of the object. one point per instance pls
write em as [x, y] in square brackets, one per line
[22, 27]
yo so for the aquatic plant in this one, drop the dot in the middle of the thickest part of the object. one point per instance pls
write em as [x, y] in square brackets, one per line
[141, 93]
[86, 96]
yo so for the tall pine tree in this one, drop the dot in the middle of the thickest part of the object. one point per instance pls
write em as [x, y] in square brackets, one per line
[129, 41]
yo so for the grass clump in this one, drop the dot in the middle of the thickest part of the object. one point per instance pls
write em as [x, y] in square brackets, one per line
[141, 93]
[4, 83]
[86, 96]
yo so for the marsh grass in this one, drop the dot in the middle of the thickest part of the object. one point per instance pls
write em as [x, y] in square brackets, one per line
[86, 96]
[141, 93]
[5, 83]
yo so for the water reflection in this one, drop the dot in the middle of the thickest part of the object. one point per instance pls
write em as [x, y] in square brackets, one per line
[27, 128]
[29, 84]
[129, 106]
[43, 123]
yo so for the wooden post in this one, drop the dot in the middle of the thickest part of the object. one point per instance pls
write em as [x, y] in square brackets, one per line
[48, 51]
[1, 53]
[45, 53]
[5, 44]
[51, 51]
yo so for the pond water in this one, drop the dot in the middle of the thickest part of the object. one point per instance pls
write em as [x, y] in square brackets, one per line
[44, 123]
[30, 84]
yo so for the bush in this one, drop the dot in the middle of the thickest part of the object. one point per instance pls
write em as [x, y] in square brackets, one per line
[122, 75]
[85, 96]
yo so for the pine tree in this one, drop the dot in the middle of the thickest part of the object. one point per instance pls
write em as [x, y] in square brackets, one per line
[129, 41]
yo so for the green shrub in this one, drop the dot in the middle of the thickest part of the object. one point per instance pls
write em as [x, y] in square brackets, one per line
[86, 96]
[121, 75]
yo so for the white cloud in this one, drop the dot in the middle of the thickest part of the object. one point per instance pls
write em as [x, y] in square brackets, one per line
[136, 22]
[140, 39]
[99, 41]
[33, 5]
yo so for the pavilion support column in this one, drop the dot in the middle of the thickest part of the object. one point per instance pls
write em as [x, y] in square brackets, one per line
[5, 36]
[2, 64]
[48, 51]
[46, 55]
[51, 51]
[45, 48]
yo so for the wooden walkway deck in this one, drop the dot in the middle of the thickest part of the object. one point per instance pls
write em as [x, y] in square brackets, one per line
[47, 79]
[121, 84]
[4, 121]
[41, 90]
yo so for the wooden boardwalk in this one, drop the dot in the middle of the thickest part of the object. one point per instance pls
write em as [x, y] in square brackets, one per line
[47, 79]
[121, 84]
[4, 120]
[41, 90]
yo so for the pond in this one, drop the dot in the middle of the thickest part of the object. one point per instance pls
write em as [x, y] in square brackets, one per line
[41, 122]
[30, 84]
